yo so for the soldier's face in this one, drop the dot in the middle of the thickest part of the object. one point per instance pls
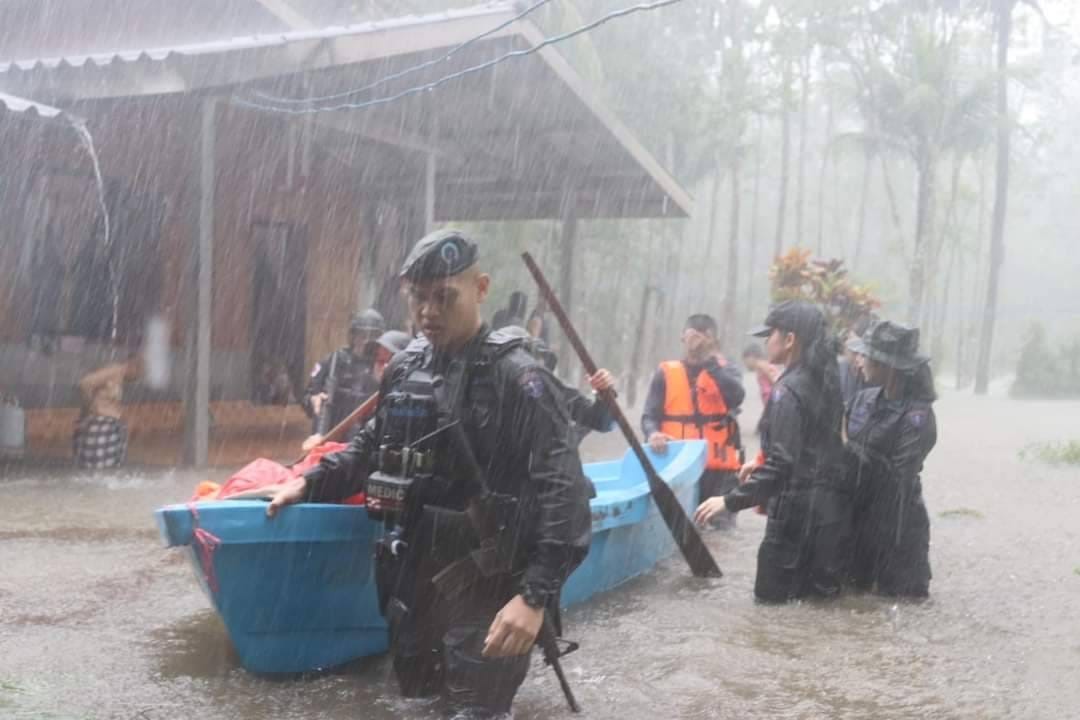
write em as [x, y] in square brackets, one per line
[696, 344]
[779, 346]
[447, 310]
[874, 373]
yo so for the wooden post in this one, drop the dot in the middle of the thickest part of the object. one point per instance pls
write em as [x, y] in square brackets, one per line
[197, 430]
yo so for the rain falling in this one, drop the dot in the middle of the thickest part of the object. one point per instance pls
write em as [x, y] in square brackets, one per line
[539, 358]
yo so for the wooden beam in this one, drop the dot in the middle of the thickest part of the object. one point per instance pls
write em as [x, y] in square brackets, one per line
[684, 203]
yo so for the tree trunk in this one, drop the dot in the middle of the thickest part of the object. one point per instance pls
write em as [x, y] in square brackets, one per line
[923, 225]
[864, 195]
[940, 313]
[935, 314]
[823, 175]
[727, 329]
[706, 257]
[785, 157]
[961, 332]
[800, 181]
[890, 194]
[971, 315]
[749, 304]
[1001, 197]
[567, 249]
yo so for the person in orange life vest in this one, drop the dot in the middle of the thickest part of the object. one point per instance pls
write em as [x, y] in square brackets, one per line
[698, 397]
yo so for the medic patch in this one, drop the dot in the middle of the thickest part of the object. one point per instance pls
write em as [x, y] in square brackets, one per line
[532, 383]
[315, 370]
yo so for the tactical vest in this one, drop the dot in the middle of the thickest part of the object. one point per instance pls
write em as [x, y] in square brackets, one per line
[699, 412]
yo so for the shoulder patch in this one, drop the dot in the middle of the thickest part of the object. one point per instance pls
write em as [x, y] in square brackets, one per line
[778, 392]
[315, 370]
[417, 345]
[532, 382]
[916, 418]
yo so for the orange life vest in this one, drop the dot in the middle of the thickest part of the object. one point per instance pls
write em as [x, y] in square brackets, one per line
[699, 413]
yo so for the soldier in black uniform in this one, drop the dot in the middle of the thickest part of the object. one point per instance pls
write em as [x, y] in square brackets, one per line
[345, 378]
[468, 459]
[802, 481]
[891, 429]
[587, 414]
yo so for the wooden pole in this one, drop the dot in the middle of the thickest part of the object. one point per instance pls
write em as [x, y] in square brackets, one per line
[693, 548]
[198, 415]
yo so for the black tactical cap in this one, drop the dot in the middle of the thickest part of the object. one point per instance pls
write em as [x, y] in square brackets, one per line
[440, 254]
[797, 316]
[890, 343]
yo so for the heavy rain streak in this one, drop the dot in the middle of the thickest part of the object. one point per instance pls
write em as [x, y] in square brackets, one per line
[539, 358]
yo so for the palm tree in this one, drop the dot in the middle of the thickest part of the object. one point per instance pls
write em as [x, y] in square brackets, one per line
[1002, 12]
[921, 102]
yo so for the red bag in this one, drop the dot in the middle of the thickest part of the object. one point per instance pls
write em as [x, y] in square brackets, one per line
[263, 473]
[257, 474]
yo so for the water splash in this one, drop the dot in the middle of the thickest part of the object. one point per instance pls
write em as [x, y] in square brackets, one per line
[87, 142]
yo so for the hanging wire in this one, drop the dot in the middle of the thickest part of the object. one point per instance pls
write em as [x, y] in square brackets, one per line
[642, 7]
[407, 71]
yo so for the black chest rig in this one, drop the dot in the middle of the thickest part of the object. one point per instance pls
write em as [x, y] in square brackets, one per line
[431, 420]
[408, 446]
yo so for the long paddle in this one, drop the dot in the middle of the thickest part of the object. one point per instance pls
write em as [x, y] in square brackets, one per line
[693, 548]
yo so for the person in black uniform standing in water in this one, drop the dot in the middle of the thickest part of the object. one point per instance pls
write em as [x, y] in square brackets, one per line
[891, 429]
[801, 481]
[469, 459]
[345, 378]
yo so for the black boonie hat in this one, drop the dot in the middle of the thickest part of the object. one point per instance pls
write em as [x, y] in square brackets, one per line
[797, 316]
[890, 343]
[439, 255]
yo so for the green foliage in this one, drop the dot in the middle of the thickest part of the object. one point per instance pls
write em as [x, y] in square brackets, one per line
[1042, 372]
[1063, 453]
[962, 512]
[826, 283]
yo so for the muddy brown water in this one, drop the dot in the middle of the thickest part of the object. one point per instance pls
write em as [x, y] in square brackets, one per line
[98, 621]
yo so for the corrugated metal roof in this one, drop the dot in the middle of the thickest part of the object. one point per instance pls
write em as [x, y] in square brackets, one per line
[249, 42]
[17, 104]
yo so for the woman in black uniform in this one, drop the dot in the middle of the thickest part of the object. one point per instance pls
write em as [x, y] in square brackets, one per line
[891, 429]
[800, 475]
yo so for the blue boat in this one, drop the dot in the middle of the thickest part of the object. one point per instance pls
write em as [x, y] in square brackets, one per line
[297, 593]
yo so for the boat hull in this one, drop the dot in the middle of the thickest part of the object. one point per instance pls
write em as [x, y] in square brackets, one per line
[297, 593]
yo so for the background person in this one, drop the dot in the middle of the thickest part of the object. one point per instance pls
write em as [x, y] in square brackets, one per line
[891, 429]
[101, 436]
[348, 372]
[697, 397]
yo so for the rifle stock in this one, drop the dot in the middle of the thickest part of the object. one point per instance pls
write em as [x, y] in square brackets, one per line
[322, 423]
[366, 410]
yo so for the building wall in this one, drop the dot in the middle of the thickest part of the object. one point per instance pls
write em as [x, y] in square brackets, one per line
[152, 145]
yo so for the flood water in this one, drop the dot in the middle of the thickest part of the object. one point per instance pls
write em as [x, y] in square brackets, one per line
[98, 621]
